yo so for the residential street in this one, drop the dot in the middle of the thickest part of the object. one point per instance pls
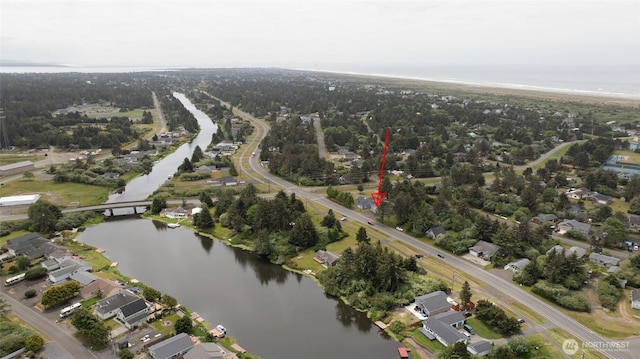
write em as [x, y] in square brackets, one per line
[48, 328]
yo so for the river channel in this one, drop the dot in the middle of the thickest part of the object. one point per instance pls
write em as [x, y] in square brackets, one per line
[270, 311]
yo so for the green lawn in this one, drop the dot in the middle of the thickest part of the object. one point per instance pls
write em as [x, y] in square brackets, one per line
[63, 194]
[545, 349]
[433, 345]
[482, 330]
[89, 302]
[88, 253]
[165, 330]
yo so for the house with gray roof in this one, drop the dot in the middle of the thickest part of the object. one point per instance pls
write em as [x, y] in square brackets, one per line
[173, 347]
[133, 313]
[326, 258]
[480, 348]
[573, 225]
[580, 252]
[543, 218]
[633, 221]
[484, 250]
[517, 265]
[108, 307]
[30, 245]
[205, 351]
[67, 269]
[576, 211]
[443, 327]
[599, 198]
[433, 303]
[364, 202]
[435, 232]
[84, 278]
[603, 260]
[635, 299]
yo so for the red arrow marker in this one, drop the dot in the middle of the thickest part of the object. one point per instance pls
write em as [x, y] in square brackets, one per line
[379, 196]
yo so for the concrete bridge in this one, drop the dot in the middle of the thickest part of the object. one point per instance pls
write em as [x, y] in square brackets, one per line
[7, 215]
[131, 204]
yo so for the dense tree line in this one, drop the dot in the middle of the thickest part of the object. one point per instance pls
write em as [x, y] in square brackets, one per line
[372, 277]
[292, 152]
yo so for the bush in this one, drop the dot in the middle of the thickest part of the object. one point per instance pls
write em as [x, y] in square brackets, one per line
[562, 296]
[33, 343]
[35, 273]
[30, 293]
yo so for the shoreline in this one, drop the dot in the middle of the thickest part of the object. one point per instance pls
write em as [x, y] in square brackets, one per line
[500, 89]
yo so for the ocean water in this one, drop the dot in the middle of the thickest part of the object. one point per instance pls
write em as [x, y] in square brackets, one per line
[604, 81]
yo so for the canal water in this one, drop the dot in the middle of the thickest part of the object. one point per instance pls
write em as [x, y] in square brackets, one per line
[270, 311]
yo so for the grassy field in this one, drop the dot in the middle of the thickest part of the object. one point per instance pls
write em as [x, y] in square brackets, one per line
[15, 158]
[609, 327]
[88, 253]
[133, 114]
[482, 330]
[62, 194]
[632, 157]
[545, 349]
[559, 336]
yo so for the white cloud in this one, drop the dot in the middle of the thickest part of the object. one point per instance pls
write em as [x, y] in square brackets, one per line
[310, 33]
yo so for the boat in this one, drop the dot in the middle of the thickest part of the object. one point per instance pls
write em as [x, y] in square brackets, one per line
[221, 329]
[173, 225]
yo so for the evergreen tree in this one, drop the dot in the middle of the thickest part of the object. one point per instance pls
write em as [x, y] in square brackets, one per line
[262, 244]
[465, 294]
[186, 166]
[362, 236]
[204, 218]
[197, 155]
[232, 170]
[206, 199]
[157, 205]
[303, 234]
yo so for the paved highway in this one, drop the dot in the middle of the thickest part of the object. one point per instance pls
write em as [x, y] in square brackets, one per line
[49, 329]
[498, 284]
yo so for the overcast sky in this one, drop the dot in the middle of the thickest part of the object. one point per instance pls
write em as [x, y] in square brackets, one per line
[320, 34]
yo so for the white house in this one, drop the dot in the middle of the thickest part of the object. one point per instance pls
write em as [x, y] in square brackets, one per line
[635, 299]
[67, 269]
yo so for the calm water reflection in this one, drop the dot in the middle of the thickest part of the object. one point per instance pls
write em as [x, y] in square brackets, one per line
[272, 312]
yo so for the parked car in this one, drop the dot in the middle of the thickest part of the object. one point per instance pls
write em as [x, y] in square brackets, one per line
[466, 334]
[399, 229]
[469, 329]
[466, 313]
[370, 223]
